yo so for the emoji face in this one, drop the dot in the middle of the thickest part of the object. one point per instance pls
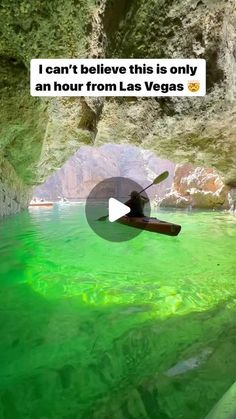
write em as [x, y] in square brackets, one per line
[193, 86]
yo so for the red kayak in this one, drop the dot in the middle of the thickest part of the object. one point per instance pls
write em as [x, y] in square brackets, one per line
[151, 224]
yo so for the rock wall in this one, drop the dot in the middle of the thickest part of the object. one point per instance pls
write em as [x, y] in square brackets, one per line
[14, 195]
[38, 135]
[89, 166]
[195, 187]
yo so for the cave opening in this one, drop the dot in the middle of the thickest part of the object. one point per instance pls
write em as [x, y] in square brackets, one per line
[187, 186]
[91, 165]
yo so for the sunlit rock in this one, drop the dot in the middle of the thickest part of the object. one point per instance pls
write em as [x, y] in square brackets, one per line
[196, 187]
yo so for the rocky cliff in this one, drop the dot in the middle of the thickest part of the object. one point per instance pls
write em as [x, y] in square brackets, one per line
[89, 166]
[38, 135]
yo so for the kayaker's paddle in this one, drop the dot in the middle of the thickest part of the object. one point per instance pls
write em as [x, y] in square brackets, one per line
[163, 176]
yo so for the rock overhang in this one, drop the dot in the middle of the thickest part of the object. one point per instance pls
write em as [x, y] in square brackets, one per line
[38, 135]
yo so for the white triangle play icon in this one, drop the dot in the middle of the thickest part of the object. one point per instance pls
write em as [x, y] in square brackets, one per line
[117, 209]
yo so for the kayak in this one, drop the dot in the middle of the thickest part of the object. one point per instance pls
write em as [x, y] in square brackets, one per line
[226, 406]
[41, 204]
[151, 224]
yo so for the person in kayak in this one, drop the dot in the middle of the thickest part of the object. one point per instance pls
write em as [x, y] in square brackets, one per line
[136, 204]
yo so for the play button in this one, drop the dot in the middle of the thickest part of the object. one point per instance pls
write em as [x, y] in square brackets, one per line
[106, 204]
[117, 210]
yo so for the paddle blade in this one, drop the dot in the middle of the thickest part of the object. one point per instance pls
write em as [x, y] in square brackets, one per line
[163, 176]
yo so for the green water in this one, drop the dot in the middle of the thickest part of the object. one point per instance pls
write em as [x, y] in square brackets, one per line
[98, 330]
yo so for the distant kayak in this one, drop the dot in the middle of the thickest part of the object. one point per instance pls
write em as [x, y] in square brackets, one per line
[64, 203]
[151, 224]
[41, 204]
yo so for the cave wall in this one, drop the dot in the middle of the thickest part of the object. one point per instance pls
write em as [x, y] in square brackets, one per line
[14, 195]
[200, 131]
[37, 135]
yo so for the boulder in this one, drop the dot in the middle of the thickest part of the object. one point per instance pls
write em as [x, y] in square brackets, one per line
[196, 187]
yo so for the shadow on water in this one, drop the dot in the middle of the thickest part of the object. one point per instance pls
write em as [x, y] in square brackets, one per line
[66, 359]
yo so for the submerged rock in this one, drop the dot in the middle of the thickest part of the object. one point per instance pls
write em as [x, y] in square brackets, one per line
[189, 364]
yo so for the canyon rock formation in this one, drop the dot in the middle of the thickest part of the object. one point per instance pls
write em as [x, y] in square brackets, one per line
[195, 187]
[90, 166]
